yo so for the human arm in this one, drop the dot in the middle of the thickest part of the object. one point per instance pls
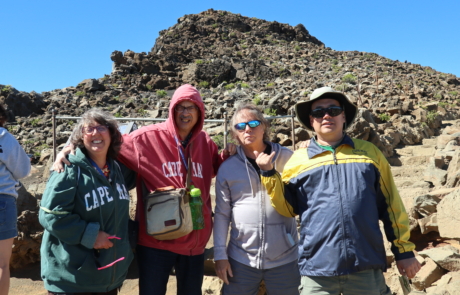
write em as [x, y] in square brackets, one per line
[304, 144]
[221, 223]
[14, 157]
[219, 158]
[275, 187]
[408, 267]
[56, 211]
[129, 176]
[129, 155]
[102, 241]
[229, 150]
[223, 269]
[61, 158]
[392, 212]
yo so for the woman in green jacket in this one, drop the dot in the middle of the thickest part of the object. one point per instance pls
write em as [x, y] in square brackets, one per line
[84, 211]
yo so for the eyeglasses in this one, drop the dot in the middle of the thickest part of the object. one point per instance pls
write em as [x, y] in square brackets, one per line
[331, 111]
[182, 109]
[252, 124]
[99, 128]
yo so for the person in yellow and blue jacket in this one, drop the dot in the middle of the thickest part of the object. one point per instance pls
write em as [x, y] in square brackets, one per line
[340, 187]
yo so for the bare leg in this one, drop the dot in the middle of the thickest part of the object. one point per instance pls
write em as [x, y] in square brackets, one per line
[5, 255]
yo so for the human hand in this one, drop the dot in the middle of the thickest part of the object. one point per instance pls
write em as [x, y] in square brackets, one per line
[61, 158]
[223, 267]
[264, 161]
[304, 144]
[102, 241]
[408, 267]
[230, 149]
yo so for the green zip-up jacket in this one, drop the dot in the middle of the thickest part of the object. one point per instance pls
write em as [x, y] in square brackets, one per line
[77, 203]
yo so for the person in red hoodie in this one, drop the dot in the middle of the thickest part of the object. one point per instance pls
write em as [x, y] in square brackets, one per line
[157, 153]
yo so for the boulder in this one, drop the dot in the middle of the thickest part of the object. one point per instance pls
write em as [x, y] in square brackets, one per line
[215, 72]
[449, 284]
[443, 140]
[453, 171]
[447, 257]
[90, 85]
[428, 274]
[428, 224]
[26, 248]
[425, 205]
[448, 216]
[433, 174]
[301, 134]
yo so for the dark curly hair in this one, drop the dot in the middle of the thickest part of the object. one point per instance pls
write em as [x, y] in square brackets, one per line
[103, 118]
[3, 116]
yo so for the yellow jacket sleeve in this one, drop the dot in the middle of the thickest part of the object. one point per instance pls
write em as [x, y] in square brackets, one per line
[279, 193]
[396, 225]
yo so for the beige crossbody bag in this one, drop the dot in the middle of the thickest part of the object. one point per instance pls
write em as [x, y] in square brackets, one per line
[167, 211]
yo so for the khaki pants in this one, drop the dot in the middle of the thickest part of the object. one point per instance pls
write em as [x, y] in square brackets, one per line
[366, 282]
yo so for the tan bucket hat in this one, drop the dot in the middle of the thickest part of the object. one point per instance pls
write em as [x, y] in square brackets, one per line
[303, 108]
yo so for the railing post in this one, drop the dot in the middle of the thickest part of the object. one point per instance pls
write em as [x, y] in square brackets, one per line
[53, 112]
[292, 128]
[225, 129]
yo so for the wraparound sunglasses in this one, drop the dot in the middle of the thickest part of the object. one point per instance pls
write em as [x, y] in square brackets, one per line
[331, 111]
[252, 124]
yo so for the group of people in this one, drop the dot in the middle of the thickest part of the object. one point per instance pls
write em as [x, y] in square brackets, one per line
[151, 157]
[339, 186]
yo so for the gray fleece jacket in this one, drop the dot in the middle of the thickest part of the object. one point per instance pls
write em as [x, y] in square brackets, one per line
[14, 163]
[260, 237]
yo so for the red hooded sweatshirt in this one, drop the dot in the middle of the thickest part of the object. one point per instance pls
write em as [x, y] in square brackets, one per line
[152, 151]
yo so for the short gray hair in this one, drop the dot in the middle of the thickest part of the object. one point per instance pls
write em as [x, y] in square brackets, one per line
[104, 118]
[254, 110]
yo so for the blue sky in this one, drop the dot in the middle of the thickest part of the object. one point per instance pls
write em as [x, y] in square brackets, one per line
[48, 45]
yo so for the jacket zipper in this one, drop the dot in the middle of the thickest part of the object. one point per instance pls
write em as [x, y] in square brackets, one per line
[116, 225]
[262, 227]
[261, 255]
[342, 224]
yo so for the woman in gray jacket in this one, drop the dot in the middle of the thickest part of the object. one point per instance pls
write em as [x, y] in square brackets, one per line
[263, 244]
[14, 165]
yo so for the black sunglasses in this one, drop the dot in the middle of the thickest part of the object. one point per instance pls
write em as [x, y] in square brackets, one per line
[252, 124]
[331, 111]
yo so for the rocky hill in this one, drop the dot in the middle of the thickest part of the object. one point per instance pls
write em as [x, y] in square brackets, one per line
[232, 58]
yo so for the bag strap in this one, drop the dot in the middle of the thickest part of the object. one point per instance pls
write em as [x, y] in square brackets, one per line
[189, 177]
[188, 180]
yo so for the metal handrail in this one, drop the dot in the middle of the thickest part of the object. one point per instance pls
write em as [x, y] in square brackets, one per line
[225, 121]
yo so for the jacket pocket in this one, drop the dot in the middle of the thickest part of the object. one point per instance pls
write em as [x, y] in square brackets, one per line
[278, 241]
[246, 237]
[87, 273]
[89, 264]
